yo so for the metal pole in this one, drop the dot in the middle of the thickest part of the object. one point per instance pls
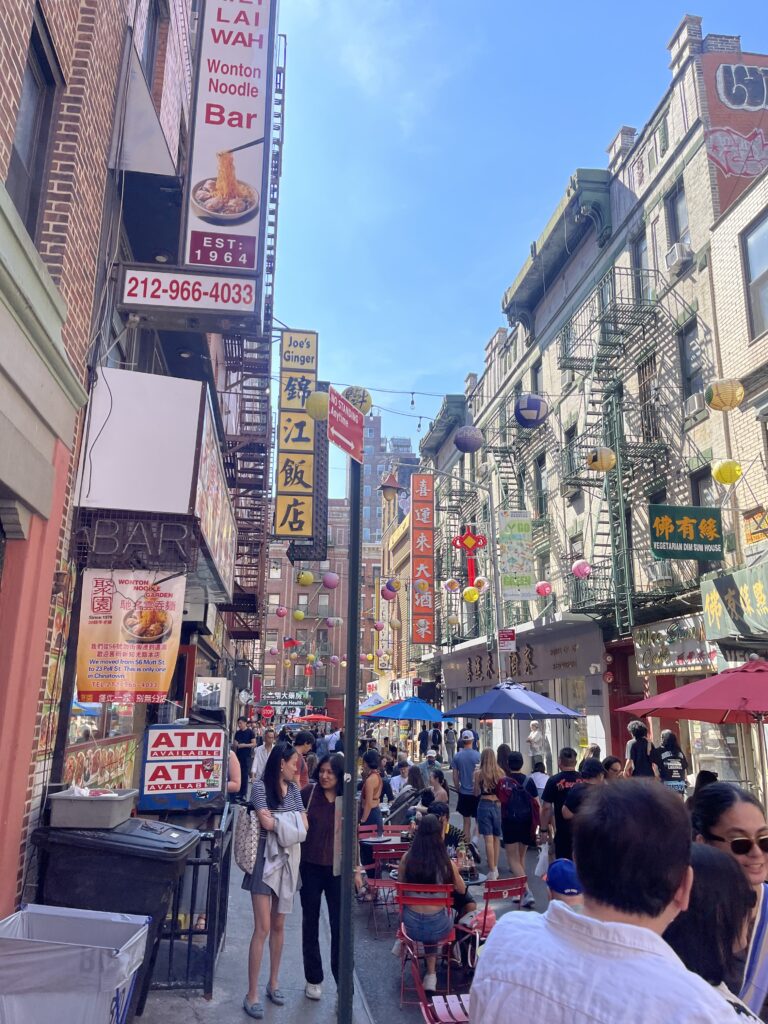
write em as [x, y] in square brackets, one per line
[349, 823]
[498, 602]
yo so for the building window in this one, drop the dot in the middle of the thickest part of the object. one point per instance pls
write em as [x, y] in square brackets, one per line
[521, 489]
[537, 378]
[677, 216]
[664, 135]
[271, 637]
[540, 484]
[755, 247]
[658, 497]
[273, 600]
[151, 44]
[322, 604]
[366, 533]
[369, 431]
[275, 568]
[691, 362]
[366, 512]
[27, 167]
[642, 280]
[366, 490]
[646, 378]
[367, 469]
[569, 448]
[577, 547]
[542, 566]
[303, 600]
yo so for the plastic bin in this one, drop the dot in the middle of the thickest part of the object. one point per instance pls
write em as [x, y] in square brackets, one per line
[130, 869]
[68, 966]
[71, 811]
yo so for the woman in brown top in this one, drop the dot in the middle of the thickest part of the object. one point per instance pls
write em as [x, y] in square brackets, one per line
[317, 870]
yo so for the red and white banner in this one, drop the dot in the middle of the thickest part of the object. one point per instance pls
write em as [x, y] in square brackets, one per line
[422, 558]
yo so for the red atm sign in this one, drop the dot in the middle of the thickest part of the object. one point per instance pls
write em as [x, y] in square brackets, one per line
[186, 743]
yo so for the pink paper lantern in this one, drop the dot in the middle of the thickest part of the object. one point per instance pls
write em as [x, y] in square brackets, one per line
[379, 652]
[388, 595]
[378, 626]
[281, 611]
[363, 659]
[330, 621]
[273, 652]
[581, 569]
[330, 580]
[543, 588]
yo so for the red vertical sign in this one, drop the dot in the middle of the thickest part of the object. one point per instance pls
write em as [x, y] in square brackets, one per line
[422, 558]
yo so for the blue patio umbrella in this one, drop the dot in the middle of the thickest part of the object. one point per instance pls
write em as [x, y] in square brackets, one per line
[412, 709]
[512, 700]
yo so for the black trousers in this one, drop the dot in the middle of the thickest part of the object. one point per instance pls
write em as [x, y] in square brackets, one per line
[317, 879]
[245, 760]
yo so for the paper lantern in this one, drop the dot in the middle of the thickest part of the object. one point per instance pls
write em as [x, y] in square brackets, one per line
[281, 611]
[728, 471]
[305, 578]
[378, 626]
[293, 656]
[422, 586]
[316, 405]
[330, 580]
[724, 395]
[468, 439]
[531, 410]
[394, 622]
[482, 583]
[362, 659]
[543, 588]
[311, 658]
[307, 670]
[360, 398]
[394, 584]
[452, 586]
[286, 663]
[470, 594]
[608, 677]
[343, 664]
[319, 664]
[297, 615]
[273, 652]
[453, 619]
[601, 460]
[335, 659]
[388, 595]
[581, 569]
[379, 652]
[369, 657]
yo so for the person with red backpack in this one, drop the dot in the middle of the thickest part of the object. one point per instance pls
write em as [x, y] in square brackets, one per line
[520, 815]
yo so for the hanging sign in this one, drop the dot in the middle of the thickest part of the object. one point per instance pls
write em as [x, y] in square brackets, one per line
[183, 766]
[683, 531]
[675, 646]
[422, 558]
[228, 177]
[736, 604]
[515, 557]
[295, 470]
[128, 637]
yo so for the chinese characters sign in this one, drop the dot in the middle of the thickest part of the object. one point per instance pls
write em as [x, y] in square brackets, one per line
[515, 558]
[736, 604]
[128, 638]
[226, 201]
[422, 558]
[295, 471]
[681, 531]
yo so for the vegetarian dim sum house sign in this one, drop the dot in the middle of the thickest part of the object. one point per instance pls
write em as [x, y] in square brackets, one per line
[128, 639]
[229, 158]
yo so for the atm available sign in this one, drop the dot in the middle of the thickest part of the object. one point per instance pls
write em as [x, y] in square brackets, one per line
[184, 761]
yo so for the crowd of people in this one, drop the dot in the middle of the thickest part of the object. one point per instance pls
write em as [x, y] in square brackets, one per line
[663, 895]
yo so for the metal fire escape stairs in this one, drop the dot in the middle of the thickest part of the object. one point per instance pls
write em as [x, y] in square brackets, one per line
[626, 307]
[248, 362]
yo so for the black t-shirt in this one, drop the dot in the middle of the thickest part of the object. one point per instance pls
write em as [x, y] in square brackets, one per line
[423, 741]
[244, 736]
[526, 782]
[575, 797]
[643, 757]
[556, 793]
[672, 767]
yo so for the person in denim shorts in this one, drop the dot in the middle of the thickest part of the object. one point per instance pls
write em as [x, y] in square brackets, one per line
[489, 808]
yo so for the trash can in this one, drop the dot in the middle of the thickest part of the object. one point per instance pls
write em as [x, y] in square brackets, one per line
[69, 966]
[129, 869]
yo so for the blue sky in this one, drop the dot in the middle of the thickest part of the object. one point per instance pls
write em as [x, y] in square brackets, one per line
[427, 143]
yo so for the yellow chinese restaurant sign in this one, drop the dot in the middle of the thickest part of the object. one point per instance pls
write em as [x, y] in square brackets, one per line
[295, 469]
[736, 604]
[681, 531]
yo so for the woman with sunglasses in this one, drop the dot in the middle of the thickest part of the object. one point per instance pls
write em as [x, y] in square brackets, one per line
[733, 820]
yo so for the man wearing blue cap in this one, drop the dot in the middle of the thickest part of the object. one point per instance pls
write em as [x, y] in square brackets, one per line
[563, 883]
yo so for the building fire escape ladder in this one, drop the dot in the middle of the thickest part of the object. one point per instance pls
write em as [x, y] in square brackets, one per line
[621, 555]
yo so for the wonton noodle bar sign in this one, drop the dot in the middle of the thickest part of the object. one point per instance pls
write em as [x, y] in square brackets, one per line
[226, 191]
[128, 638]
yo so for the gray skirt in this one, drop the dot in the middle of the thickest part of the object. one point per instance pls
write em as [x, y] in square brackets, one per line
[253, 882]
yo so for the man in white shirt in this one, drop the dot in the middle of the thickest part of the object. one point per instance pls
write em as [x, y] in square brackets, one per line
[609, 964]
[262, 753]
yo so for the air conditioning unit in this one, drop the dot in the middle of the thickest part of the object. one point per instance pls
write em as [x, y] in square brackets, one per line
[569, 490]
[678, 256]
[694, 405]
[660, 572]
[567, 377]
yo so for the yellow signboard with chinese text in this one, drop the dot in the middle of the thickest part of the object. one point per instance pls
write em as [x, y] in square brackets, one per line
[736, 604]
[295, 469]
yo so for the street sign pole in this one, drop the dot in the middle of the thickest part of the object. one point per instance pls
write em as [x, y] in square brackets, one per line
[349, 824]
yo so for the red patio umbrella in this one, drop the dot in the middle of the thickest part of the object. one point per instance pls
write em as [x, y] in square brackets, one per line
[314, 718]
[735, 695]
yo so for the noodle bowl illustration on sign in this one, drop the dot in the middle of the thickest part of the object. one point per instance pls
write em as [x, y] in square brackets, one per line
[224, 199]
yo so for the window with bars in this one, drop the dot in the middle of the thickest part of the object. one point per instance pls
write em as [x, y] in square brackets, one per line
[646, 379]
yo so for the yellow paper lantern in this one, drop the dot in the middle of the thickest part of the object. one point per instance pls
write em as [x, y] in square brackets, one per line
[369, 657]
[422, 586]
[311, 658]
[394, 623]
[601, 459]
[724, 395]
[395, 585]
[343, 664]
[317, 405]
[297, 615]
[293, 656]
[470, 594]
[728, 471]
[360, 398]
[305, 578]
[286, 663]
[453, 619]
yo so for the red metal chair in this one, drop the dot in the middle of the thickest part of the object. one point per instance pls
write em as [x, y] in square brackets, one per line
[448, 1009]
[381, 886]
[417, 895]
[498, 889]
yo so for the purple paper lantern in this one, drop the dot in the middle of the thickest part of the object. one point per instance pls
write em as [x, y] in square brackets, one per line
[378, 626]
[468, 439]
[330, 580]
[335, 659]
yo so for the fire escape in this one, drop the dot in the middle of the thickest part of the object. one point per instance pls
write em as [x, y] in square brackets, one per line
[630, 313]
[247, 454]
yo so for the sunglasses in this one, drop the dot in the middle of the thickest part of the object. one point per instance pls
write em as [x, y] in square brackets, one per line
[742, 845]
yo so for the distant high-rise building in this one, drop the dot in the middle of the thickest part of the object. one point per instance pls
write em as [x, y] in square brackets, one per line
[378, 456]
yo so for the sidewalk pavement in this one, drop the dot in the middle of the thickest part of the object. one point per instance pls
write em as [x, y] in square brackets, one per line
[231, 981]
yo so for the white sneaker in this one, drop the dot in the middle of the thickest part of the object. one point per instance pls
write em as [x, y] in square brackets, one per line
[492, 875]
[313, 991]
[430, 982]
[528, 900]
[397, 949]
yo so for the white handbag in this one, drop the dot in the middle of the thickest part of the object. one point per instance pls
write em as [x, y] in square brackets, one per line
[246, 839]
